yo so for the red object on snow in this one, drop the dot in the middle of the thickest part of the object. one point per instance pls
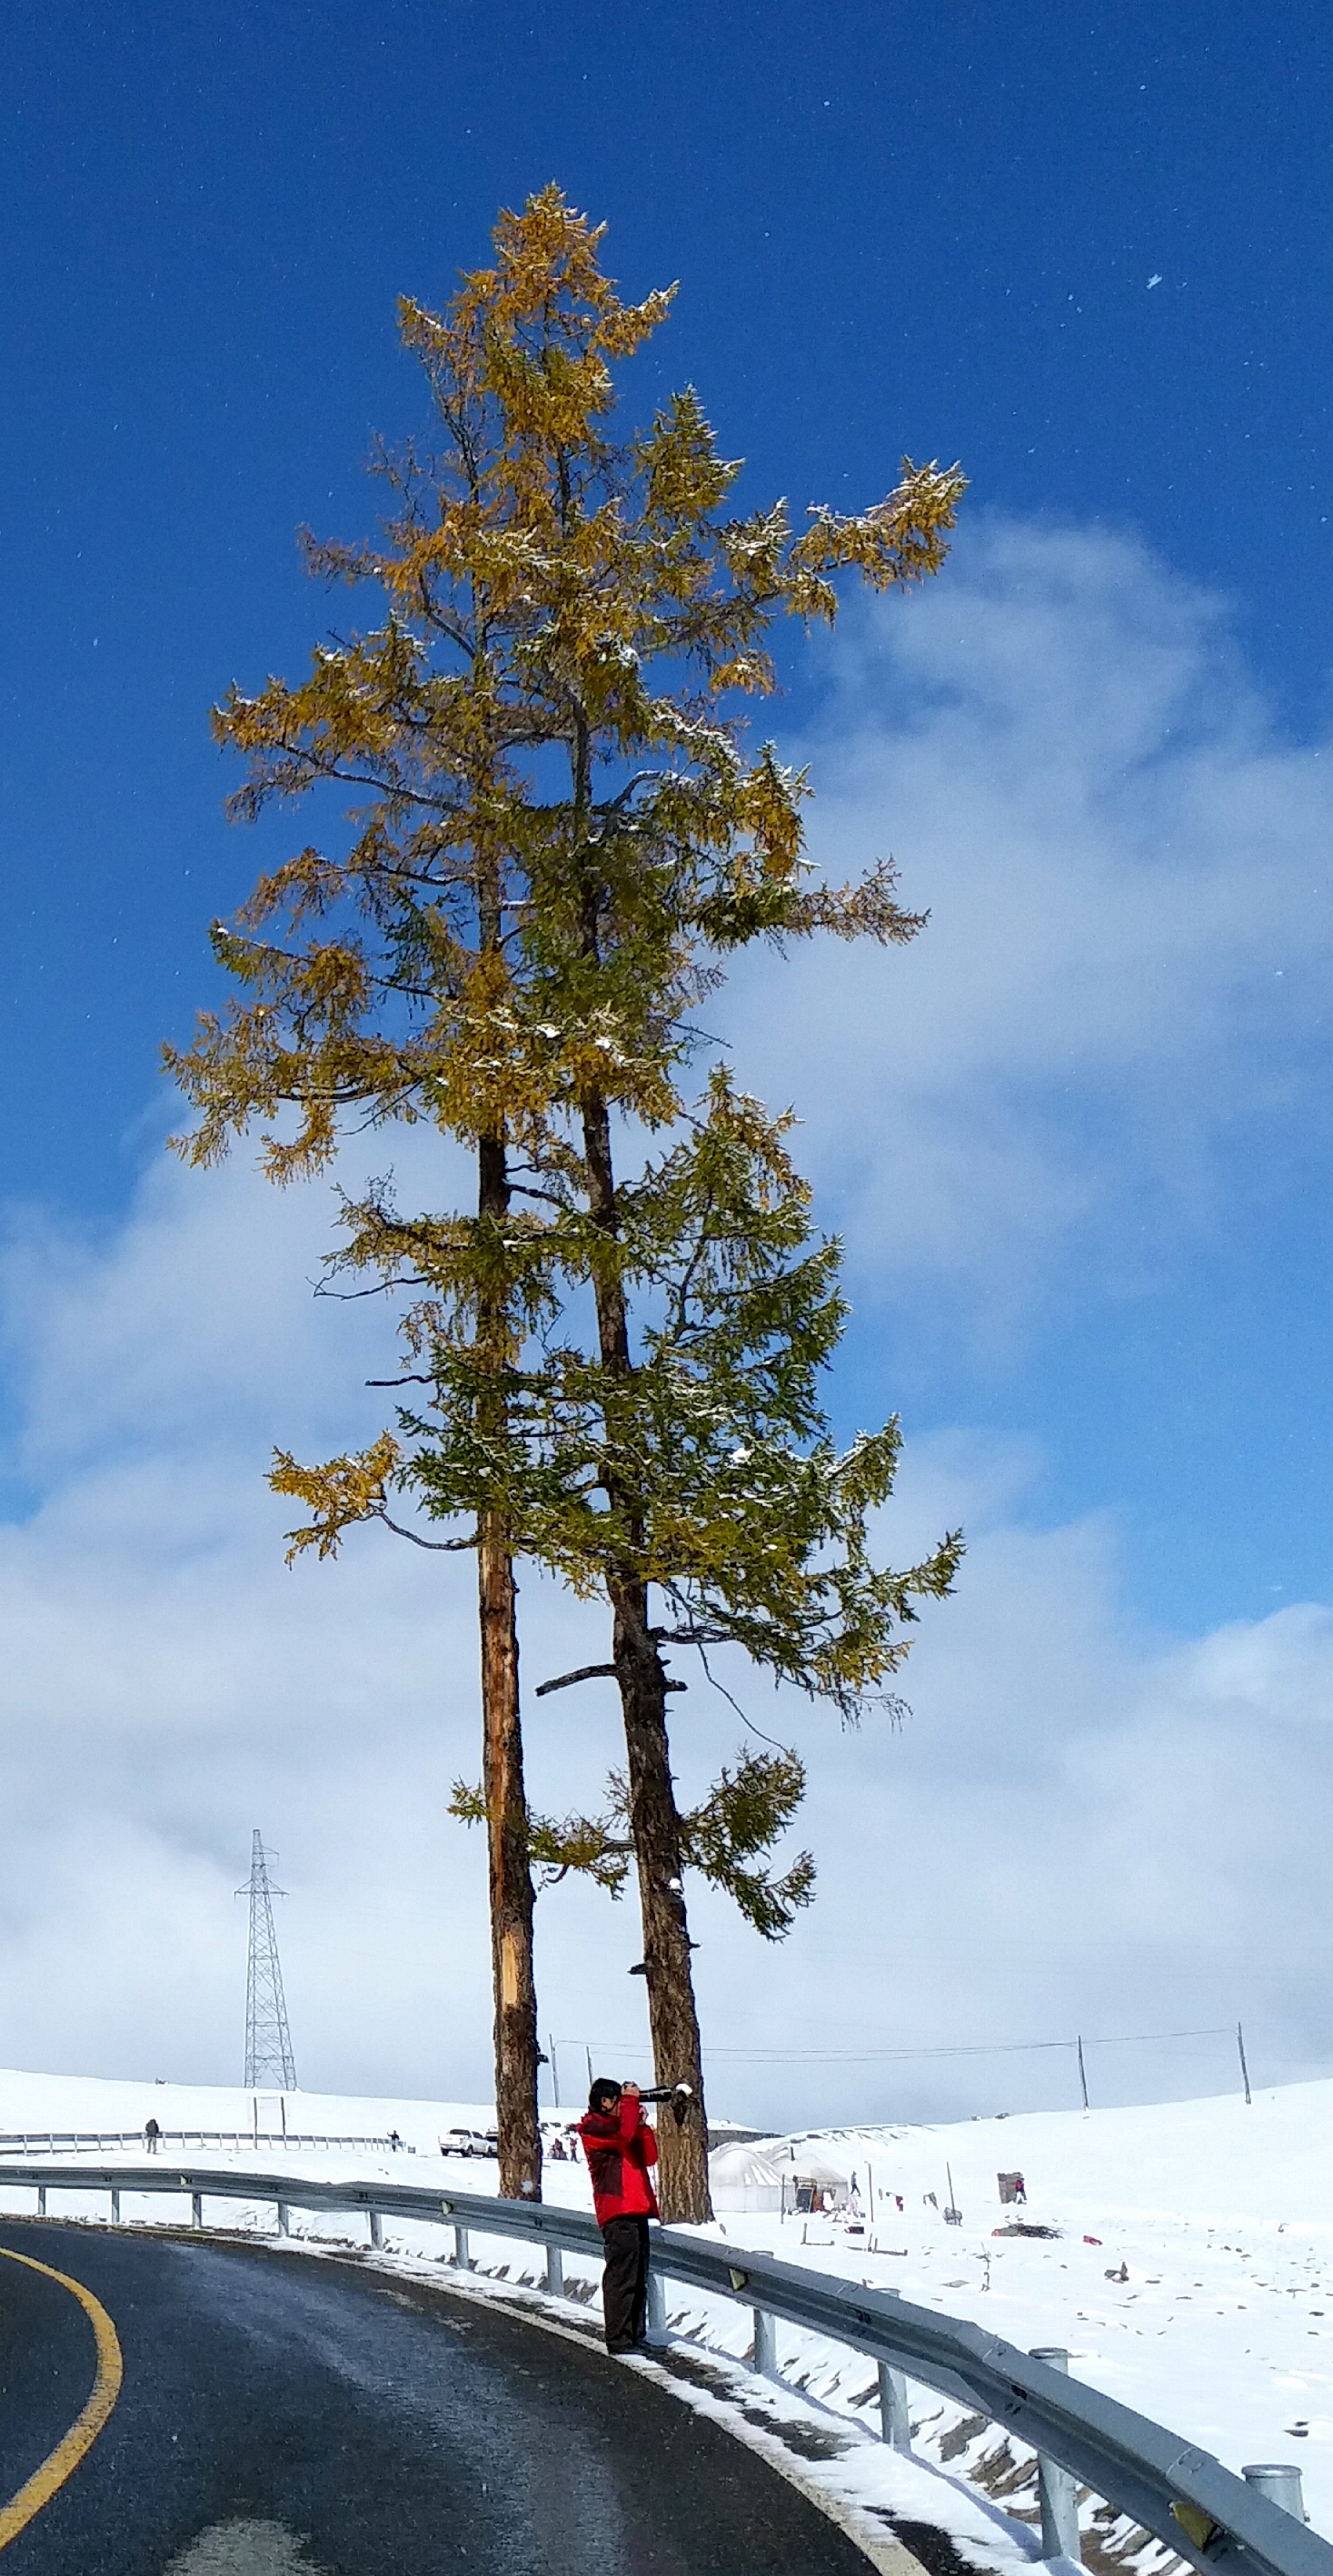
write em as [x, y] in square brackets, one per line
[1092, 2240]
[620, 2147]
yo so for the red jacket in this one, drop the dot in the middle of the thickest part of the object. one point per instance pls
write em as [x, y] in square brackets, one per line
[620, 2147]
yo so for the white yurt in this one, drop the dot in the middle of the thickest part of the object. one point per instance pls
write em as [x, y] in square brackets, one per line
[739, 2178]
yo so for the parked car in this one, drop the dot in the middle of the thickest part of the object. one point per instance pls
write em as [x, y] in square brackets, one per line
[465, 2142]
[492, 2145]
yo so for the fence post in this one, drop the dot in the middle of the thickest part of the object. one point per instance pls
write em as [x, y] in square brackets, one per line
[115, 2209]
[41, 2200]
[462, 2250]
[555, 2272]
[196, 2209]
[1057, 2488]
[376, 2228]
[895, 2425]
[657, 2315]
[284, 2219]
[1280, 2481]
[765, 2344]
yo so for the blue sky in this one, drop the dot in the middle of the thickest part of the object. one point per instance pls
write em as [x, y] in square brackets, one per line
[1079, 1137]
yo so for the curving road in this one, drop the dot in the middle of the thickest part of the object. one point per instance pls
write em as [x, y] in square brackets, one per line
[280, 2417]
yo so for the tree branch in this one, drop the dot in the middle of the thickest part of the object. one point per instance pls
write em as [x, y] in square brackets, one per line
[592, 1673]
[437, 1546]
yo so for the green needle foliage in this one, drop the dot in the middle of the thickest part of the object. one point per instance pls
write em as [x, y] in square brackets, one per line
[750, 1805]
[707, 1470]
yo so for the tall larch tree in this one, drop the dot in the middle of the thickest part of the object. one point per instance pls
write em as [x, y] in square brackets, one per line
[515, 962]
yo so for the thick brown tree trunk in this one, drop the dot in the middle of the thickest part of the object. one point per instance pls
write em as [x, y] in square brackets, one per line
[655, 1826]
[510, 1869]
[511, 1892]
[654, 1818]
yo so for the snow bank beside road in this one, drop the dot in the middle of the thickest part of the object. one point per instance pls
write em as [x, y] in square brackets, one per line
[1189, 2269]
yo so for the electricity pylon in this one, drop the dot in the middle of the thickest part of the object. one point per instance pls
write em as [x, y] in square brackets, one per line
[268, 2044]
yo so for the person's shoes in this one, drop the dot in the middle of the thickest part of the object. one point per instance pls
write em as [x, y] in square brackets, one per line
[618, 2351]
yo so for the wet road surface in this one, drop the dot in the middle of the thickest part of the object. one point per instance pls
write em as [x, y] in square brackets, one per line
[282, 2417]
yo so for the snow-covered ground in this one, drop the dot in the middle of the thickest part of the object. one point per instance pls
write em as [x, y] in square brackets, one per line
[1186, 2274]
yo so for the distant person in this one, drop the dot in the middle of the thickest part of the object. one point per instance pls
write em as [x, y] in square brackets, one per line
[621, 2149]
[1020, 2189]
[395, 2141]
[152, 2136]
[557, 2152]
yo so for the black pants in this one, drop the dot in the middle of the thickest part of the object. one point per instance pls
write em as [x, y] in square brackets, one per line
[625, 2282]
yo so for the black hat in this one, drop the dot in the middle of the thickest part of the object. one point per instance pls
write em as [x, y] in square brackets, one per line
[603, 2091]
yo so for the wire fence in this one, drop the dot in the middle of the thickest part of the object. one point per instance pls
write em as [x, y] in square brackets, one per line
[1076, 2049]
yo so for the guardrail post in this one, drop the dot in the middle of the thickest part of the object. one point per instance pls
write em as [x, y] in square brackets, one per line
[895, 2424]
[41, 2200]
[657, 2315]
[196, 2209]
[765, 2344]
[555, 2272]
[1280, 2481]
[284, 2219]
[376, 2228]
[462, 2250]
[115, 2209]
[1057, 2488]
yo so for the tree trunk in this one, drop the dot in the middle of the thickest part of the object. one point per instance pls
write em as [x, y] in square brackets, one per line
[510, 1872]
[655, 1826]
[654, 1819]
[510, 1868]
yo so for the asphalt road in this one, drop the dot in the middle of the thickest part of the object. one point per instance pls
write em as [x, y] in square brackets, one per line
[280, 2417]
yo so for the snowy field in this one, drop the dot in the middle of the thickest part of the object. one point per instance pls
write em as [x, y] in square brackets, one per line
[1185, 2270]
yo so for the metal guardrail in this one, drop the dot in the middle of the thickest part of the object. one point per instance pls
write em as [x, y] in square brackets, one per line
[1208, 2516]
[54, 2142]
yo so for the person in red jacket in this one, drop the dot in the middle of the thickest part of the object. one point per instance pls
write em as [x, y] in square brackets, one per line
[621, 2150]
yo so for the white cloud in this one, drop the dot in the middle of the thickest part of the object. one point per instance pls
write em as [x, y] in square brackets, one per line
[1080, 1828]
[1077, 1826]
[1130, 883]
[1082, 1825]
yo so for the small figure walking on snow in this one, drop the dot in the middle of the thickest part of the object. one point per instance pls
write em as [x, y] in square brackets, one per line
[152, 2135]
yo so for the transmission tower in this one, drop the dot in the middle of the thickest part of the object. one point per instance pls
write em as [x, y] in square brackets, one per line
[268, 2044]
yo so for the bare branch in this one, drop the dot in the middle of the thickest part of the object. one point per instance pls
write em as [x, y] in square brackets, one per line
[585, 1673]
[437, 1546]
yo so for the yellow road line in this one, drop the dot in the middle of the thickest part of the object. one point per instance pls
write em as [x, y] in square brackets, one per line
[64, 2459]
